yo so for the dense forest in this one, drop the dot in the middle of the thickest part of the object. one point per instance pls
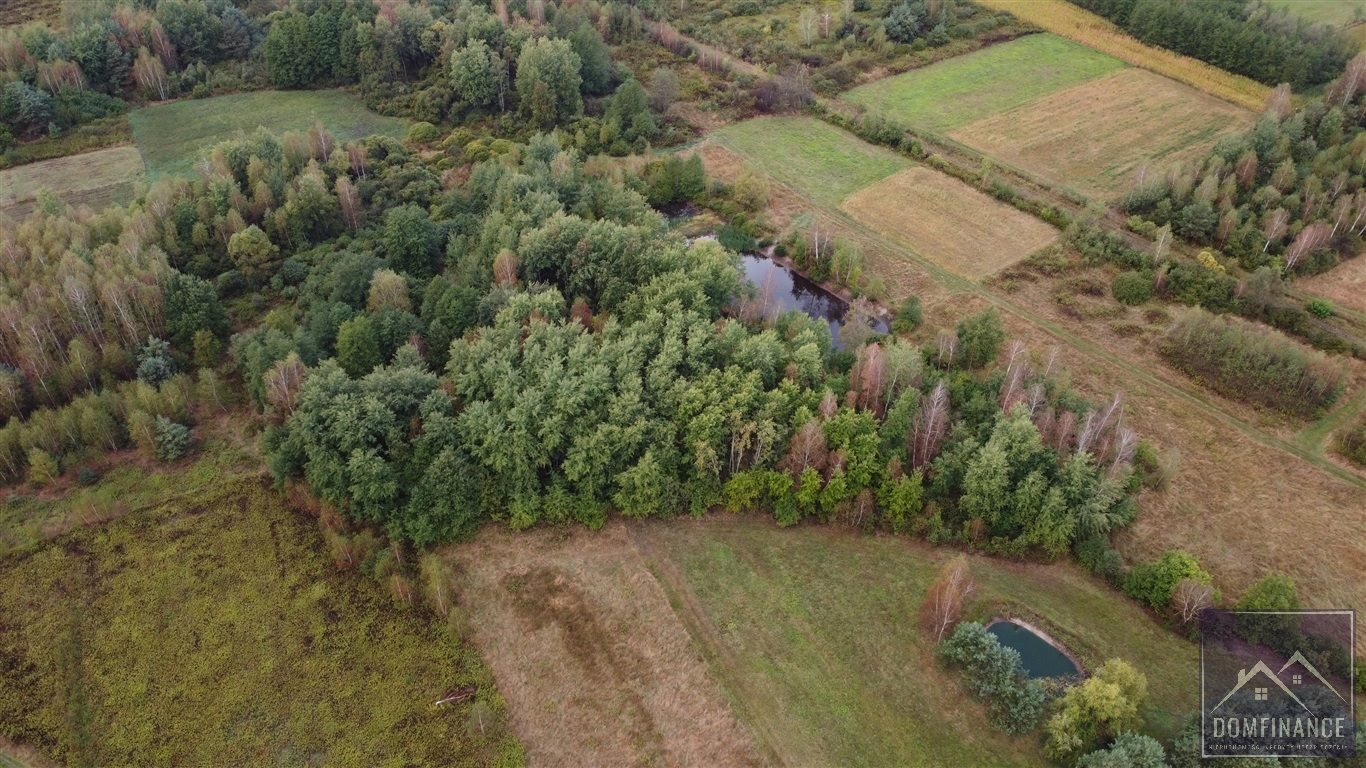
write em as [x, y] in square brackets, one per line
[1270, 45]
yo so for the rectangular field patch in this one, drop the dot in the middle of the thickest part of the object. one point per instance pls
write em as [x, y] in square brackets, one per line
[948, 222]
[812, 157]
[96, 179]
[960, 90]
[1093, 137]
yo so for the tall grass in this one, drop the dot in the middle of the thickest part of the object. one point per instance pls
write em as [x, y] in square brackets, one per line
[1255, 365]
[1062, 18]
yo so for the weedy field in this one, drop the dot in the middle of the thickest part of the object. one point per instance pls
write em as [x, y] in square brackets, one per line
[214, 629]
[1344, 285]
[1075, 23]
[813, 157]
[1134, 120]
[960, 90]
[811, 633]
[172, 137]
[1336, 12]
[949, 222]
[24, 11]
[95, 179]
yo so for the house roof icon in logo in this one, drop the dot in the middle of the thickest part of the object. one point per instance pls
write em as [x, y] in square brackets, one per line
[1260, 668]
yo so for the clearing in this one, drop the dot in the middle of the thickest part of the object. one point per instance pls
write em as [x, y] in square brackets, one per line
[1344, 285]
[1338, 13]
[96, 179]
[172, 136]
[1075, 23]
[589, 654]
[812, 156]
[949, 222]
[616, 641]
[960, 90]
[214, 629]
[1135, 120]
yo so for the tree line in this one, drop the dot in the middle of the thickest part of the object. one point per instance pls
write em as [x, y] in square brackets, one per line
[1270, 45]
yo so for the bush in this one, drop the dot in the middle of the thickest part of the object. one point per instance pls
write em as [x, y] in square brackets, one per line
[979, 339]
[908, 315]
[172, 439]
[423, 133]
[1351, 442]
[1153, 583]
[1320, 308]
[1132, 287]
[992, 671]
[1260, 366]
[1129, 750]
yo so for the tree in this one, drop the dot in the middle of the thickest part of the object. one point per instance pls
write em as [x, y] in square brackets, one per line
[663, 89]
[154, 362]
[947, 596]
[412, 241]
[387, 289]
[151, 74]
[42, 468]
[595, 60]
[474, 75]
[979, 339]
[358, 350]
[172, 439]
[1273, 592]
[1153, 583]
[905, 21]
[1091, 713]
[191, 306]
[908, 315]
[548, 82]
[283, 382]
[27, 109]
[629, 113]
[992, 671]
[253, 253]
[1129, 750]
[1190, 597]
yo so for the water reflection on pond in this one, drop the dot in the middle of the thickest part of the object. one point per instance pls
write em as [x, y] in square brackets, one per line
[780, 289]
[1037, 655]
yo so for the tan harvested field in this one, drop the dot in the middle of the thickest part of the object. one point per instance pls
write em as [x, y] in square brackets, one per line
[589, 655]
[1344, 285]
[1097, 136]
[95, 179]
[945, 220]
[1073, 22]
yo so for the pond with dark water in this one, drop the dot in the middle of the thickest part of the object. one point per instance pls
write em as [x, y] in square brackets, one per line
[783, 290]
[1037, 655]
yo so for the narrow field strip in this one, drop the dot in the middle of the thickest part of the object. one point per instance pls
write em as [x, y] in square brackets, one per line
[97, 178]
[956, 226]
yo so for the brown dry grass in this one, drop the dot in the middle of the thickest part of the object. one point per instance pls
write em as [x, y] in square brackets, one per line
[1063, 18]
[948, 222]
[95, 179]
[594, 664]
[1344, 284]
[1096, 136]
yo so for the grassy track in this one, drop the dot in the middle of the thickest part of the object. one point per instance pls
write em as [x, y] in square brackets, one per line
[1075, 23]
[172, 137]
[812, 631]
[962, 89]
[811, 156]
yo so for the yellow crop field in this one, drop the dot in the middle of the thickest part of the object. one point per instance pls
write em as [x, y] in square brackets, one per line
[1095, 137]
[948, 222]
[1063, 18]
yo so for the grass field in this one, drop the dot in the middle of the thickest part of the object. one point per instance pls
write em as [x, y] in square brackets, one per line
[1335, 12]
[947, 221]
[1063, 18]
[810, 631]
[215, 630]
[23, 11]
[172, 137]
[1133, 119]
[809, 155]
[965, 88]
[95, 179]
[1344, 285]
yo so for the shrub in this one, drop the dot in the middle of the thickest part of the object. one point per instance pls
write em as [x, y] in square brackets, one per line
[423, 133]
[154, 362]
[979, 339]
[1153, 583]
[1260, 366]
[1351, 442]
[908, 315]
[172, 439]
[992, 671]
[42, 468]
[1129, 750]
[1132, 287]
[1320, 308]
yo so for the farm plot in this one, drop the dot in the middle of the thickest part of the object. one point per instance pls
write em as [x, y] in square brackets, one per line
[172, 137]
[1094, 137]
[965, 88]
[589, 655]
[948, 222]
[813, 157]
[95, 179]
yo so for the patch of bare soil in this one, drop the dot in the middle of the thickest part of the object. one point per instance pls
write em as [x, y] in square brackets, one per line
[595, 666]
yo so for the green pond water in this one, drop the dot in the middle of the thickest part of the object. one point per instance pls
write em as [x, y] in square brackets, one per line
[1038, 657]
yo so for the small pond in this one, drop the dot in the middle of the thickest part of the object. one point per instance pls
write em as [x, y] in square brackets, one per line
[1039, 657]
[784, 289]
